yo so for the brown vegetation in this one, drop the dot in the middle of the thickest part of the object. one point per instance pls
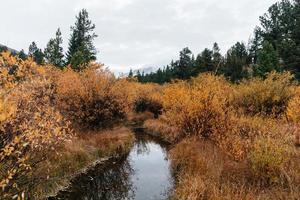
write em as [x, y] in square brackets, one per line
[230, 141]
[40, 107]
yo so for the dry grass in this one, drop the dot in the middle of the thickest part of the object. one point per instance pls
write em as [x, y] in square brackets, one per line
[204, 171]
[161, 129]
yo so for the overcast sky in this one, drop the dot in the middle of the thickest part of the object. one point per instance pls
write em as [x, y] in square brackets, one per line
[134, 33]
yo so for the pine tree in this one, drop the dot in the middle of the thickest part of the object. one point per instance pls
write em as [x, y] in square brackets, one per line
[54, 51]
[267, 60]
[236, 62]
[22, 55]
[204, 61]
[130, 75]
[184, 64]
[81, 49]
[280, 27]
[138, 75]
[216, 57]
[3, 49]
[36, 53]
[255, 45]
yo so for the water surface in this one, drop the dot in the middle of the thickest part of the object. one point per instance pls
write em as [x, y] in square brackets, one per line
[142, 174]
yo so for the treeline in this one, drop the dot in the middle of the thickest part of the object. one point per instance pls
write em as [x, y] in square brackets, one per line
[80, 51]
[275, 46]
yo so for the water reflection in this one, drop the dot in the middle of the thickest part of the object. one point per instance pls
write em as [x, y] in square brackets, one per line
[141, 175]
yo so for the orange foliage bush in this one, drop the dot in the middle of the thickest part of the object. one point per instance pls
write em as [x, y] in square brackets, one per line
[293, 109]
[267, 159]
[92, 98]
[293, 114]
[29, 126]
[268, 96]
[199, 107]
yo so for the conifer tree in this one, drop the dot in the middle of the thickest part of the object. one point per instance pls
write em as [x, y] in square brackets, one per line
[54, 51]
[184, 64]
[267, 60]
[130, 75]
[81, 48]
[204, 62]
[236, 62]
[22, 55]
[36, 53]
[216, 57]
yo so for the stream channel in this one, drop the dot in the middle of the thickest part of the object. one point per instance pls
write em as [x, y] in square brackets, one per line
[143, 174]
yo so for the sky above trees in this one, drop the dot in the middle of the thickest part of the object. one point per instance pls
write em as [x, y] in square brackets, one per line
[135, 33]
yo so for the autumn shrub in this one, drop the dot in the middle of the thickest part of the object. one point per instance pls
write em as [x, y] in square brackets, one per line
[267, 159]
[14, 70]
[92, 98]
[31, 129]
[293, 109]
[199, 107]
[237, 140]
[293, 114]
[268, 96]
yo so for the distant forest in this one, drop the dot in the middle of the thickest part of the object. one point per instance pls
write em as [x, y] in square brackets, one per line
[275, 46]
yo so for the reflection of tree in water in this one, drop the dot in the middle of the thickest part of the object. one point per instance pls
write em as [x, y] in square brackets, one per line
[143, 141]
[111, 181]
[103, 183]
[142, 146]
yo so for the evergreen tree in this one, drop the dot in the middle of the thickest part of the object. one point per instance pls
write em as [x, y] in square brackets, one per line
[81, 49]
[184, 65]
[204, 62]
[216, 57]
[255, 45]
[22, 55]
[36, 53]
[130, 75]
[54, 51]
[267, 60]
[236, 62]
[280, 27]
[138, 75]
[3, 49]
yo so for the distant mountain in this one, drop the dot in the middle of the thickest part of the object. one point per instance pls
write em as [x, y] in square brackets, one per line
[3, 47]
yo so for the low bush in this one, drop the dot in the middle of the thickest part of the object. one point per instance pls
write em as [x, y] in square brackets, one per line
[267, 159]
[92, 98]
[199, 107]
[268, 96]
[33, 129]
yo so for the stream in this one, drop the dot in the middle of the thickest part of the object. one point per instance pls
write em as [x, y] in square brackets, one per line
[143, 174]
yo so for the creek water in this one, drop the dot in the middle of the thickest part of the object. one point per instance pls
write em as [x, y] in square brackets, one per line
[143, 174]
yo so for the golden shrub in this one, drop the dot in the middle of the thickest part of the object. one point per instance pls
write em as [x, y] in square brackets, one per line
[92, 98]
[14, 70]
[199, 107]
[238, 140]
[30, 125]
[268, 96]
[267, 159]
[293, 109]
